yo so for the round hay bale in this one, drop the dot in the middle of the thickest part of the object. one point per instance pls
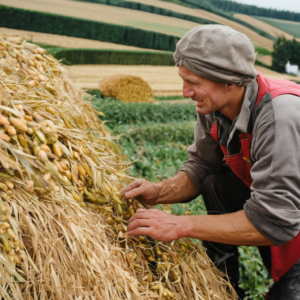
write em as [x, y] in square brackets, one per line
[126, 88]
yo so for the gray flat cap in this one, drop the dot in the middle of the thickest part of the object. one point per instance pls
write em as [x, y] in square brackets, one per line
[218, 53]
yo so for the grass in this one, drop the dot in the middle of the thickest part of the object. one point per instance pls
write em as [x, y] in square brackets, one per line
[292, 28]
[262, 51]
[166, 98]
[169, 29]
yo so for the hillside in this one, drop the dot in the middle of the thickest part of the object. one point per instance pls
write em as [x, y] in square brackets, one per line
[264, 25]
[134, 18]
[66, 41]
[255, 37]
[108, 14]
[275, 27]
[293, 28]
[253, 10]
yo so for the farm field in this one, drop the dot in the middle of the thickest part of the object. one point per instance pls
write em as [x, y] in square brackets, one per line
[66, 41]
[255, 37]
[293, 28]
[266, 59]
[153, 136]
[274, 30]
[108, 14]
[163, 80]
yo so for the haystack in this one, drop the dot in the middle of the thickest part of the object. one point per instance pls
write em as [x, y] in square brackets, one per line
[62, 222]
[127, 88]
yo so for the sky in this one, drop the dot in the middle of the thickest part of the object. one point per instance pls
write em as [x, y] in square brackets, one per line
[291, 5]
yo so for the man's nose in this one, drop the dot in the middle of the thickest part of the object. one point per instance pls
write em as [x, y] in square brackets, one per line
[187, 91]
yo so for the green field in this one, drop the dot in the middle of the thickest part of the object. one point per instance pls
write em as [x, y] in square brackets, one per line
[292, 28]
[157, 27]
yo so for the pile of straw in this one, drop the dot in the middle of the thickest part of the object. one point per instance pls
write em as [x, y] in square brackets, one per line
[126, 88]
[62, 222]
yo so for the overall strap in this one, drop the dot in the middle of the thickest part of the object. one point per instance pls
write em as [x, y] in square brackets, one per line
[256, 108]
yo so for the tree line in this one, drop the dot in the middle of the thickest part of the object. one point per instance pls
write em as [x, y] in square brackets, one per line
[284, 51]
[232, 6]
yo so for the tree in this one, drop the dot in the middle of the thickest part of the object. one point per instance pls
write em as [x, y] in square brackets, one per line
[284, 51]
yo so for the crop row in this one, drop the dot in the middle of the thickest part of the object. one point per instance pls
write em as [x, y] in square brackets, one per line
[120, 113]
[153, 9]
[18, 18]
[157, 133]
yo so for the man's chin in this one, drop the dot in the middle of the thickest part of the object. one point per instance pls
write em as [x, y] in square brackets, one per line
[201, 111]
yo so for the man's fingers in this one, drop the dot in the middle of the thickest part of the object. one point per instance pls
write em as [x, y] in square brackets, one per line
[138, 223]
[140, 214]
[130, 187]
[135, 192]
[140, 231]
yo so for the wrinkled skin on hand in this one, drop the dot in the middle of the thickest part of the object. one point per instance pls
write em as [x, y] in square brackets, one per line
[142, 190]
[157, 224]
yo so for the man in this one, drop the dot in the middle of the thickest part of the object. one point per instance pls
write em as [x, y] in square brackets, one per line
[245, 161]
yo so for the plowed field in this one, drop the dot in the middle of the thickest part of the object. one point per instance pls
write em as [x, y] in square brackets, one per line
[65, 41]
[163, 80]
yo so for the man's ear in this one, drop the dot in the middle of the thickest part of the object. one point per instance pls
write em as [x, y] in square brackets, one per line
[230, 86]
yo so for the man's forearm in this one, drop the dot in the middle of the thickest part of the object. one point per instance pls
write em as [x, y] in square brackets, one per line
[234, 229]
[176, 189]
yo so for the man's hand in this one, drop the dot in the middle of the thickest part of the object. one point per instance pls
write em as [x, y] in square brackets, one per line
[173, 190]
[144, 191]
[232, 229]
[155, 223]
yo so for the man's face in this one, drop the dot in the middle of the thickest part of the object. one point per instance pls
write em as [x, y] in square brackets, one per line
[209, 96]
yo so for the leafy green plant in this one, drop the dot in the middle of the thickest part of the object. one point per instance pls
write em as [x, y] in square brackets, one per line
[255, 279]
[158, 133]
[120, 113]
[154, 162]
